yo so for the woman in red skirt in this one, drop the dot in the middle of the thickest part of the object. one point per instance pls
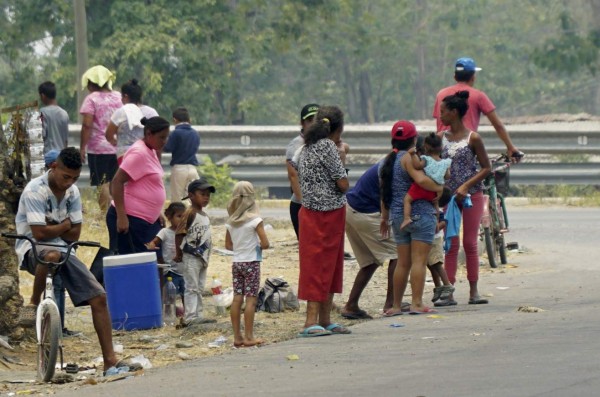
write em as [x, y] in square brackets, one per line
[323, 183]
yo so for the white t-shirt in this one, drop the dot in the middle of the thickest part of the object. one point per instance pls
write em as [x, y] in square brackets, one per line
[130, 129]
[246, 245]
[167, 236]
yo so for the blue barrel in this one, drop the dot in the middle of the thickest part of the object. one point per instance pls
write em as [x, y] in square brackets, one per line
[133, 291]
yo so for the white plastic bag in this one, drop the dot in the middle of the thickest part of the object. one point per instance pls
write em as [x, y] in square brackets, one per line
[142, 360]
[225, 299]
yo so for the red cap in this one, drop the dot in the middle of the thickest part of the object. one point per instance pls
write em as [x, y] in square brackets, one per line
[403, 130]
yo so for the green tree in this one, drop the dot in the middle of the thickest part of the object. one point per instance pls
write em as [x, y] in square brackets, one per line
[575, 50]
[259, 61]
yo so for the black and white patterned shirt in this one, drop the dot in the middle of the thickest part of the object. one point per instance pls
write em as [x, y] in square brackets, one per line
[319, 167]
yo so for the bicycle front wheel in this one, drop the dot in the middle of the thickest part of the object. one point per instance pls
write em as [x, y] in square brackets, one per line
[490, 246]
[50, 333]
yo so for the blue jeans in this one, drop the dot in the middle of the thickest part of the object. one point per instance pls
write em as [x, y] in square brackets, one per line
[422, 229]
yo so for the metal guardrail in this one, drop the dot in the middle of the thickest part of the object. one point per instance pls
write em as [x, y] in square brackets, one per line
[553, 138]
[524, 173]
[275, 176]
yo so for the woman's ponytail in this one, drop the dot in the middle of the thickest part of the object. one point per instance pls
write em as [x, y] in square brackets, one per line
[328, 120]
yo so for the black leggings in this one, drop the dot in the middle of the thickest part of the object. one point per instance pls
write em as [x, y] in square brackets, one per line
[140, 232]
[294, 209]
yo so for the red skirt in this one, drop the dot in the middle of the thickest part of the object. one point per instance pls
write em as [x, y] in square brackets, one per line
[321, 253]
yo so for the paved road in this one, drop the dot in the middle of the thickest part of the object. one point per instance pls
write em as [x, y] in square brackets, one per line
[488, 350]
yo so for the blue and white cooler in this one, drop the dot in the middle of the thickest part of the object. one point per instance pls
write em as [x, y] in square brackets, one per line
[133, 291]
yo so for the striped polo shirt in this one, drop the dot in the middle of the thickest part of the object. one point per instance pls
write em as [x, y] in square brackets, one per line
[38, 205]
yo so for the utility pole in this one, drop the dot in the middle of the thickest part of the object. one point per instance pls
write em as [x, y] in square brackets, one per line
[81, 47]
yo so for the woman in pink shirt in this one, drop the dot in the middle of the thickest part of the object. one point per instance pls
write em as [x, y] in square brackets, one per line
[138, 191]
[95, 111]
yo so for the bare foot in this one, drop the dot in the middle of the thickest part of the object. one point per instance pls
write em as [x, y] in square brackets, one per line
[253, 342]
[238, 342]
[405, 223]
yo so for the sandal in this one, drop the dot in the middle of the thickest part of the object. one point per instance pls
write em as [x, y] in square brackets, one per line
[358, 315]
[341, 330]
[313, 331]
[123, 366]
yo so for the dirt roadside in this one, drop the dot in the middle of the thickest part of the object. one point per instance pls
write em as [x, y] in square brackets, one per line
[160, 346]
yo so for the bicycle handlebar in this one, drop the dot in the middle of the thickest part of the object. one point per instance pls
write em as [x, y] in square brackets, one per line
[505, 160]
[504, 157]
[34, 244]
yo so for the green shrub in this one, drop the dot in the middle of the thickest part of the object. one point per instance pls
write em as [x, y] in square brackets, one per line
[220, 177]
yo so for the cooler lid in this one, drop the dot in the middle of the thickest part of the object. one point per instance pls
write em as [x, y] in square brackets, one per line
[129, 259]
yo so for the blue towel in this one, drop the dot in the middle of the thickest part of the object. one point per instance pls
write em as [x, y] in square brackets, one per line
[453, 219]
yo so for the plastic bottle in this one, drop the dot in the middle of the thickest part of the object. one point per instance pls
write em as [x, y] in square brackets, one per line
[170, 296]
[216, 286]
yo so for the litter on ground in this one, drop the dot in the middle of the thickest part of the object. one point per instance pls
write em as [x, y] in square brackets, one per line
[529, 309]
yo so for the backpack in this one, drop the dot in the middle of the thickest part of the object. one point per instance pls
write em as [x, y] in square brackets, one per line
[277, 296]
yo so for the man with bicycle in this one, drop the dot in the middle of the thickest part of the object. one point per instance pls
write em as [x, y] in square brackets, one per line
[50, 211]
[464, 74]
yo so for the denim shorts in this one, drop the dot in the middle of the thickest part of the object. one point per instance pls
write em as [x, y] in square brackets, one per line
[422, 229]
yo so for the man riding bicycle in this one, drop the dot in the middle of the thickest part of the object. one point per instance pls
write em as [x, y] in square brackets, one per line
[50, 211]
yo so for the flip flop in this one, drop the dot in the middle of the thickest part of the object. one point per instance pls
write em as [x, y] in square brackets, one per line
[125, 363]
[112, 371]
[393, 314]
[306, 332]
[478, 301]
[121, 367]
[359, 315]
[342, 330]
[426, 310]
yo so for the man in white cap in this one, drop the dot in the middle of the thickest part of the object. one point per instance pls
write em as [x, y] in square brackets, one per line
[464, 74]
